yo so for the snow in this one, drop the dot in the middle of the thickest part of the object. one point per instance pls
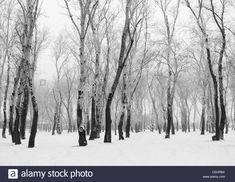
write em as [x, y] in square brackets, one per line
[145, 148]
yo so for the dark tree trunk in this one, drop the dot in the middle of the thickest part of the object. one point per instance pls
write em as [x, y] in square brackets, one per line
[124, 103]
[108, 121]
[128, 121]
[124, 53]
[203, 121]
[217, 129]
[115, 128]
[54, 120]
[79, 109]
[219, 20]
[120, 125]
[88, 126]
[16, 132]
[169, 108]
[172, 123]
[203, 112]
[221, 91]
[93, 120]
[188, 122]
[82, 138]
[58, 121]
[12, 101]
[98, 120]
[33, 131]
[24, 112]
[5, 103]
[16, 127]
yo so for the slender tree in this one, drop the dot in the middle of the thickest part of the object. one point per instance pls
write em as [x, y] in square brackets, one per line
[123, 56]
[86, 8]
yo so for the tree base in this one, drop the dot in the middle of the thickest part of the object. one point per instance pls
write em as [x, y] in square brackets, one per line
[82, 136]
[92, 135]
[17, 138]
[167, 136]
[31, 145]
[17, 142]
[107, 139]
[121, 138]
[215, 138]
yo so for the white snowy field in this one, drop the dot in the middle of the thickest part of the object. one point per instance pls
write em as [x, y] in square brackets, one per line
[145, 148]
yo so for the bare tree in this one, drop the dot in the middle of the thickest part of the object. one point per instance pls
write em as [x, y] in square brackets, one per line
[61, 58]
[30, 14]
[86, 8]
[5, 101]
[7, 36]
[170, 31]
[219, 21]
[126, 45]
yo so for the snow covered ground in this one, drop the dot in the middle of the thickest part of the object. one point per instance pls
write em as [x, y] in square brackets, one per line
[145, 148]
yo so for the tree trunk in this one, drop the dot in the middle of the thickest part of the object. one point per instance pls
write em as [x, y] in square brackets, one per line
[24, 112]
[124, 103]
[213, 76]
[171, 117]
[5, 102]
[221, 91]
[108, 121]
[121, 63]
[203, 111]
[169, 109]
[68, 109]
[18, 112]
[2, 66]
[194, 117]
[54, 120]
[98, 117]
[59, 116]
[120, 125]
[128, 121]
[33, 132]
[13, 96]
[93, 120]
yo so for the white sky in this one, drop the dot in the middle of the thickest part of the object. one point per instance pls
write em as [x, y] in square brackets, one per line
[54, 19]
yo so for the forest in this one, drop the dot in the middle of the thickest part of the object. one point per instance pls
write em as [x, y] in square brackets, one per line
[119, 68]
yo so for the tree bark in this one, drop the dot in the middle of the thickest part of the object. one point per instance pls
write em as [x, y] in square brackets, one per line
[124, 103]
[121, 64]
[221, 90]
[12, 100]
[33, 132]
[203, 111]
[215, 85]
[128, 121]
[93, 120]
[18, 109]
[5, 102]
[24, 112]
